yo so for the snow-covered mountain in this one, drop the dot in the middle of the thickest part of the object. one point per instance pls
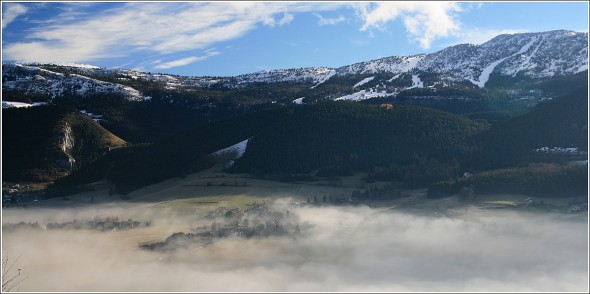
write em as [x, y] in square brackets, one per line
[536, 55]
[34, 80]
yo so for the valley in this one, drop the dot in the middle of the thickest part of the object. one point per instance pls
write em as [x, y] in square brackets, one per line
[464, 169]
[181, 244]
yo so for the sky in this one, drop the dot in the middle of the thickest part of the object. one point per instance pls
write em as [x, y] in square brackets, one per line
[232, 38]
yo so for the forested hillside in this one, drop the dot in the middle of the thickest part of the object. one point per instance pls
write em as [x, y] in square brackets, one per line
[561, 122]
[47, 142]
[297, 140]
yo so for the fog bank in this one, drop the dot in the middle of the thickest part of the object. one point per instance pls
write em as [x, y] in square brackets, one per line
[345, 249]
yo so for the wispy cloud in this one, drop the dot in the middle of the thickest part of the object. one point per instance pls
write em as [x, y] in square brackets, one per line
[10, 11]
[271, 21]
[183, 61]
[78, 34]
[163, 28]
[178, 62]
[322, 21]
[424, 21]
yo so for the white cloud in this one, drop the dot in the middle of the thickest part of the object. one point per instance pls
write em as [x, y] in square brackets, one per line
[178, 62]
[163, 28]
[270, 21]
[322, 21]
[424, 21]
[183, 61]
[10, 11]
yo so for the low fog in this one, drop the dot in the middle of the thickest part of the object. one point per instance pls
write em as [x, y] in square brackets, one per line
[344, 249]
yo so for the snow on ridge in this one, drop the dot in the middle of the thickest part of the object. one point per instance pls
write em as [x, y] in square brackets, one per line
[313, 74]
[392, 64]
[11, 104]
[71, 64]
[364, 81]
[413, 62]
[37, 80]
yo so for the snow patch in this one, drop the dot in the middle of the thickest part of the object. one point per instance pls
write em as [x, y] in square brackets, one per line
[10, 104]
[364, 95]
[570, 150]
[582, 68]
[364, 81]
[416, 82]
[95, 117]
[238, 149]
[325, 78]
[298, 100]
[393, 78]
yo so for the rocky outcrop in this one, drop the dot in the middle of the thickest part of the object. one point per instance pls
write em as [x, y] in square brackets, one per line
[65, 140]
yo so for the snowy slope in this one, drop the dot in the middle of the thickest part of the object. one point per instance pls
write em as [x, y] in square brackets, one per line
[325, 78]
[393, 64]
[364, 95]
[316, 75]
[536, 55]
[238, 148]
[38, 81]
[416, 82]
[235, 151]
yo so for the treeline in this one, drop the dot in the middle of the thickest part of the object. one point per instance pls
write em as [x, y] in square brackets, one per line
[542, 179]
[356, 137]
[561, 122]
[415, 145]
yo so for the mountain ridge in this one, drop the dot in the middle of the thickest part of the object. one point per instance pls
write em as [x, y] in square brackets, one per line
[537, 55]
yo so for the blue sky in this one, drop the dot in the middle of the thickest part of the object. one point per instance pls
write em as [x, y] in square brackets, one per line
[230, 38]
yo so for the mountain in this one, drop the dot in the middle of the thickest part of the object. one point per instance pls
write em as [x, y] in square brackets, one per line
[411, 144]
[559, 124]
[543, 152]
[47, 142]
[175, 122]
[534, 55]
[37, 81]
